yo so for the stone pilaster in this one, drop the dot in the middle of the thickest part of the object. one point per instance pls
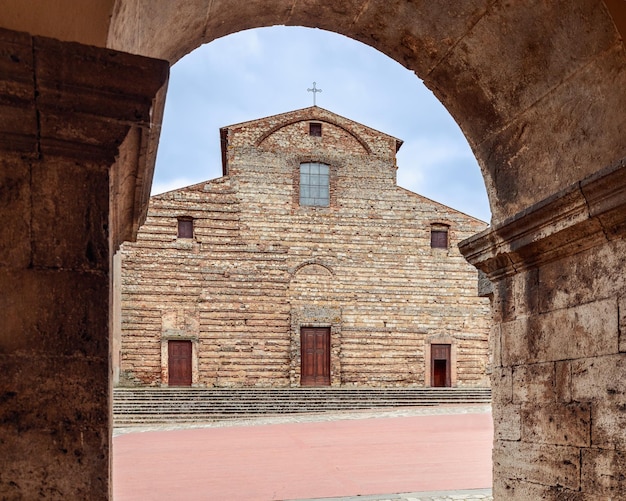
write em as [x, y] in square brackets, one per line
[559, 375]
[65, 109]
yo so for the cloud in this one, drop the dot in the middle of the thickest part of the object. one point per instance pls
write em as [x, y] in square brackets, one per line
[161, 186]
[257, 73]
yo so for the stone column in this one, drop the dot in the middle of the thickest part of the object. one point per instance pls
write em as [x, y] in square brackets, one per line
[64, 111]
[559, 343]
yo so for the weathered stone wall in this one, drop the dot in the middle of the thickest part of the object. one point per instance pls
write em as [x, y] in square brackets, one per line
[62, 119]
[540, 116]
[260, 266]
[558, 344]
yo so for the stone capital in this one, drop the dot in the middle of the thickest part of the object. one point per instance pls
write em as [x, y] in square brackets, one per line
[69, 99]
[85, 104]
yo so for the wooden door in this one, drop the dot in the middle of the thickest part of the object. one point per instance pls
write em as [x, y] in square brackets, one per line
[315, 356]
[179, 363]
[440, 365]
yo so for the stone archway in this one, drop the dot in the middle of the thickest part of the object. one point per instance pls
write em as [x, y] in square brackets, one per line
[538, 89]
[528, 84]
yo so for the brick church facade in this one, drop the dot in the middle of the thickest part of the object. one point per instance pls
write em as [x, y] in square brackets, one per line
[305, 264]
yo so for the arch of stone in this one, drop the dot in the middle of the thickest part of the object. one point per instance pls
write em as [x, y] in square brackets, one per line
[538, 88]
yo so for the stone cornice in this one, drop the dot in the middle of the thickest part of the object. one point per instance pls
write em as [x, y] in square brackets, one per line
[71, 100]
[566, 223]
[87, 104]
[87, 98]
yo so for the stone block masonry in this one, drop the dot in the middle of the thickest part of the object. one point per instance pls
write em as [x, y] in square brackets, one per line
[559, 344]
[260, 266]
[65, 110]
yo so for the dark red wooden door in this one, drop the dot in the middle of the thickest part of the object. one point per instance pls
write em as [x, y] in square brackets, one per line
[440, 365]
[315, 356]
[179, 363]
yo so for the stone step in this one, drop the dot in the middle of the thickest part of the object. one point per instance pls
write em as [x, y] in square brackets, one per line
[268, 409]
[175, 393]
[236, 399]
[136, 406]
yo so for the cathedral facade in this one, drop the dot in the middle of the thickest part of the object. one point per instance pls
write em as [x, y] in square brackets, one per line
[304, 264]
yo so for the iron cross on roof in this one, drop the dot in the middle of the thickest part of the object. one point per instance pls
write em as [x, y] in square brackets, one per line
[314, 90]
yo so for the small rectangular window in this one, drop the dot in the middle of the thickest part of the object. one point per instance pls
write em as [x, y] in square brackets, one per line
[314, 184]
[439, 238]
[315, 129]
[185, 228]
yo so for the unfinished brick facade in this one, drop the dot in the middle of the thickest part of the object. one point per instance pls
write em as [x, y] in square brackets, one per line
[260, 266]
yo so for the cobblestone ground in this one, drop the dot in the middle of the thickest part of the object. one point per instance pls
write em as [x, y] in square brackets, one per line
[469, 495]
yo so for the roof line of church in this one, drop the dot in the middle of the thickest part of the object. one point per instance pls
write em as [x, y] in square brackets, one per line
[435, 202]
[315, 107]
[442, 204]
[275, 115]
[317, 113]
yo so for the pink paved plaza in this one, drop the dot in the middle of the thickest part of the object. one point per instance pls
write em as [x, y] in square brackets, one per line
[305, 460]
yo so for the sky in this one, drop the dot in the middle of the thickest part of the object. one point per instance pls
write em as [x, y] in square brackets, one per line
[257, 73]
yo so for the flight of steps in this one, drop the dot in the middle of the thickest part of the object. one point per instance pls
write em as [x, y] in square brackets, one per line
[145, 406]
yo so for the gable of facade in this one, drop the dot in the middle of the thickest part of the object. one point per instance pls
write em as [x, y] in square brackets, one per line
[264, 272]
